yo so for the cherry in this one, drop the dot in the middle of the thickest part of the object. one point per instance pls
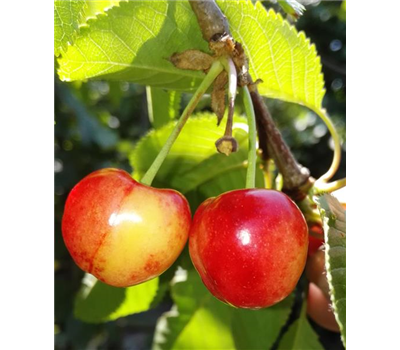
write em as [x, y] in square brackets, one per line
[318, 300]
[249, 246]
[319, 309]
[121, 231]
[316, 238]
[315, 271]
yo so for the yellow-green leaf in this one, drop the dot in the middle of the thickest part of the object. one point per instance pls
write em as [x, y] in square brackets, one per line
[133, 41]
[278, 54]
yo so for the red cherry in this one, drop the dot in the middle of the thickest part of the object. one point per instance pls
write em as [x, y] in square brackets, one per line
[121, 231]
[249, 246]
[320, 310]
[316, 238]
[314, 244]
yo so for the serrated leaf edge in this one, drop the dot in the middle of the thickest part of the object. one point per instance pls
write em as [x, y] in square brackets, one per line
[326, 218]
[64, 45]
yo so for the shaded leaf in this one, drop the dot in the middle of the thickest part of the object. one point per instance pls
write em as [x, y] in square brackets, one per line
[300, 336]
[259, 329]
[97, 302]
[334, 220]
[163, 106]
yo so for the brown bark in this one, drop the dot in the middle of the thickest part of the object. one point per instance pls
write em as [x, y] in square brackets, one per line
[296, 178]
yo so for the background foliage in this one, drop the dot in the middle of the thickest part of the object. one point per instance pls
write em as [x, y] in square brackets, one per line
[99, 124]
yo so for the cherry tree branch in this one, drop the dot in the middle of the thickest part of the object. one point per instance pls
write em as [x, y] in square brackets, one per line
[296, 178]
[294, 175]
[211, 20]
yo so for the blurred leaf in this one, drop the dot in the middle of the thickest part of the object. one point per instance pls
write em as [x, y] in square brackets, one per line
[292, 7]
[90, 129]
[163, 106]
[334, 219]
[79, 333]
[134, 41]
[64, 291]
[197, 321]
[97, 302]
[193, 162]
[164, 281]
[68, 15]
[259, 329]
[300, 336]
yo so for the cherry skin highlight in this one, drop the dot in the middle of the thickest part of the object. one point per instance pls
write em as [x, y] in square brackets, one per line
[121, 231]
[249, 246]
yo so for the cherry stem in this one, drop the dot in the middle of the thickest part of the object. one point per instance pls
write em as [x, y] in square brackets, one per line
[214, 71]
[252, 155]
[337, 148]
[228, 144]
[232, 88]
[321, 186]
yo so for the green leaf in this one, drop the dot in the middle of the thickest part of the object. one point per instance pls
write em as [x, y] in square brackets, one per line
[279, 55]
[334, 220]
[193, 162]
[197, 321]
[259, 329]
[132, 42]
[300, 336]
[68, 15]
[200, 321]
[99, 6]
[98, 302]
[90, 128]
[163, 106]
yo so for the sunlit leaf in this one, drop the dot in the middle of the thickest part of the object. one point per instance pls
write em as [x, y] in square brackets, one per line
[68, 15]
[197, 321]
[279, 55]
[134, 40]
[193, 162]
[97, 7]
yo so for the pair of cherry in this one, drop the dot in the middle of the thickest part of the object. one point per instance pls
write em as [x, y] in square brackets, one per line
[249, 246]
